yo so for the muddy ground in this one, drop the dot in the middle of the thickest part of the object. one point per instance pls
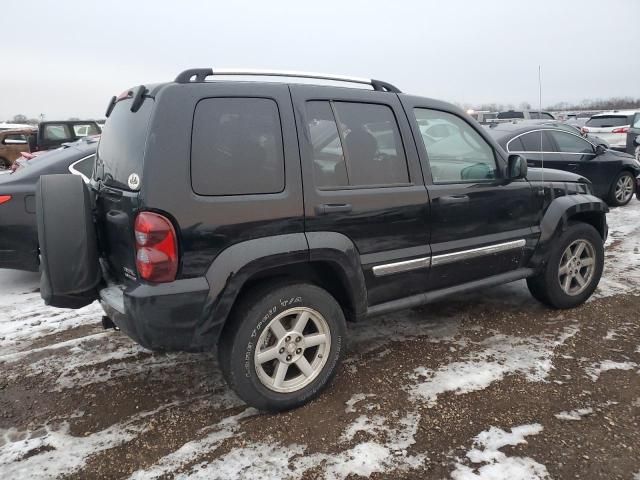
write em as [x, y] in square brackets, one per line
[488, 386]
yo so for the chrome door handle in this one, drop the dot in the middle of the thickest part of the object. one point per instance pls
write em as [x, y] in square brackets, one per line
[454, 199]
[328, 208]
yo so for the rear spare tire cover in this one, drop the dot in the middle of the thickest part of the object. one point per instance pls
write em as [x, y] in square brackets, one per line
[70, 270]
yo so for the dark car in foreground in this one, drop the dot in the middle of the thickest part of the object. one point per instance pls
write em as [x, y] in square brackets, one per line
[18, 231]
[261, 216]
[612, 173]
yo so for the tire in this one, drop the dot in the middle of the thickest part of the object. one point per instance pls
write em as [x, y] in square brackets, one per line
[622, 189]
[4, 164]
[69, 268]
[253, 325]
[546, 286]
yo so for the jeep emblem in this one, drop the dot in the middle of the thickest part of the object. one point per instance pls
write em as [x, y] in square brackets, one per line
[134, 181]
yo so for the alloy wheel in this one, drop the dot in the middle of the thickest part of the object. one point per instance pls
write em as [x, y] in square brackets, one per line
[624, 188]
[292, 350]
[577, 267]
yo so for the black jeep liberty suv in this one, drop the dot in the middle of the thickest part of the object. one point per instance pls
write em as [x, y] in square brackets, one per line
[259, 217]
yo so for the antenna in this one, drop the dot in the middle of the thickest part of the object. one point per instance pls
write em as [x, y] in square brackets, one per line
[540, 114]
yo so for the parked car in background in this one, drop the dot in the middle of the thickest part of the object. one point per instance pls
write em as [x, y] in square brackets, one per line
[51, 134]
[46, 136]
[261, 216]
[611, 126]
[524, 115]
[612, 173]
[483, 117]
[18, 231]
[633, 136]
[15, 126]
[12, 143]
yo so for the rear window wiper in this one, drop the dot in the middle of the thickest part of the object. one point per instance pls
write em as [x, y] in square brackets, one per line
[138, 99]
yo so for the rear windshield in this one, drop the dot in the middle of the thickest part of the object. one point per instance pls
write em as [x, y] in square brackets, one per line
[121, 149]
[510, 114]
[609, 121]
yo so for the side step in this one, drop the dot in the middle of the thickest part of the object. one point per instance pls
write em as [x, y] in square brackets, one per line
[428, 297]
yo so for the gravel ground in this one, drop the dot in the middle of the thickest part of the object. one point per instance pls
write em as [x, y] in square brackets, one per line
[486, 386]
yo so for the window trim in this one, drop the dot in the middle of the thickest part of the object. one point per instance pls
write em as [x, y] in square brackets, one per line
[76, 172]
[284, 160]
[426, 152]
[543, 152]
[336, 119]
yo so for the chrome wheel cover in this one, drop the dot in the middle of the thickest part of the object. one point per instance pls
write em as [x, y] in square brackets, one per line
[292, 350]
[577, 267]
[624, 188]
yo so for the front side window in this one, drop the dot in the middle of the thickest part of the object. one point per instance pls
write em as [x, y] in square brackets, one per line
[457, 153]
[569, 143]
[355, 144]
[236, 147]
[535, 142]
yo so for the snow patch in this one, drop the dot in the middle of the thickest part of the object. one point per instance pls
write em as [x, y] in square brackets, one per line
[190, 451]
[497, 466]
[574, 414]
[356, 398]
[502, 355]
[597, 368]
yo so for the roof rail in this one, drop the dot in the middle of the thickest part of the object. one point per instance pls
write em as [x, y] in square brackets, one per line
[201, 74]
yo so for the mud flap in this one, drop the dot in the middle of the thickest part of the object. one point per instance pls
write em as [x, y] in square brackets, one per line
[69, 266]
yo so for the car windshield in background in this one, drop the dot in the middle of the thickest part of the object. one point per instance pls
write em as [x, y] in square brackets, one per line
[121, 149]
[609, 121]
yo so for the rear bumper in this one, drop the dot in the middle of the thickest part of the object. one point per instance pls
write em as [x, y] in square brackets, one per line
[165, 316]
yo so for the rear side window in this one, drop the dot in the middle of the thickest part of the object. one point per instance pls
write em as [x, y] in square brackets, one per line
[636, 120]
[568, 143]
[236, 147]
[81, 130]
[355, 144]
[535, 142]
[85, 166]
[609, 121]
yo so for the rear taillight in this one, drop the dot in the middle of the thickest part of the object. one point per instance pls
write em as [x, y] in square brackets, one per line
[584, 130]
[620, 130]
[156, 248]
[4, 198]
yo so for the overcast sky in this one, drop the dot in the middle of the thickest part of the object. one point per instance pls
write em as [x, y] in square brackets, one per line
[67, 58]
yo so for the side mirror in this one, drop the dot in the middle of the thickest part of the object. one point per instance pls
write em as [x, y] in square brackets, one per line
[601, 148]
[517, 167]
[14, 141]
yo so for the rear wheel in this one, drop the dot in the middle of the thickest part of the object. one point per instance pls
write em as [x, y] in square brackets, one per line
[622, 189]
[4, 164]
[282, 345]
[573, 269]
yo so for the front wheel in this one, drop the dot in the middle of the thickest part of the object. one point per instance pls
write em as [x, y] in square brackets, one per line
[573, 269]
[282, 345]
[622, 189]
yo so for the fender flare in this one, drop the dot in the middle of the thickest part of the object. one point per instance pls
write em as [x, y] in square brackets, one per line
[556, 219]
[234, 266]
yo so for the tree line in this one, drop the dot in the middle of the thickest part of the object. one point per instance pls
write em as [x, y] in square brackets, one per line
[614, 103]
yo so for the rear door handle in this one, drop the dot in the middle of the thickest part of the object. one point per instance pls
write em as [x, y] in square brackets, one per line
[454, 199]
[572, 164]
[327, 208]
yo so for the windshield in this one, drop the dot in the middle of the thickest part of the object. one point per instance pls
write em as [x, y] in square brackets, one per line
[122, 145]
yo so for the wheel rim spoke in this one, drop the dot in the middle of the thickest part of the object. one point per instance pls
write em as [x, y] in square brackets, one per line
[267, 355]
[580, 279]
[566, 283]
[579, 250]
[281, 372]
[586, 262]
[301, 321]
[304, 367]
[315, 340]
[277, 329]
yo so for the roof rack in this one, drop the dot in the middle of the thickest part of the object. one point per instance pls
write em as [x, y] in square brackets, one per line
[200, 74]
